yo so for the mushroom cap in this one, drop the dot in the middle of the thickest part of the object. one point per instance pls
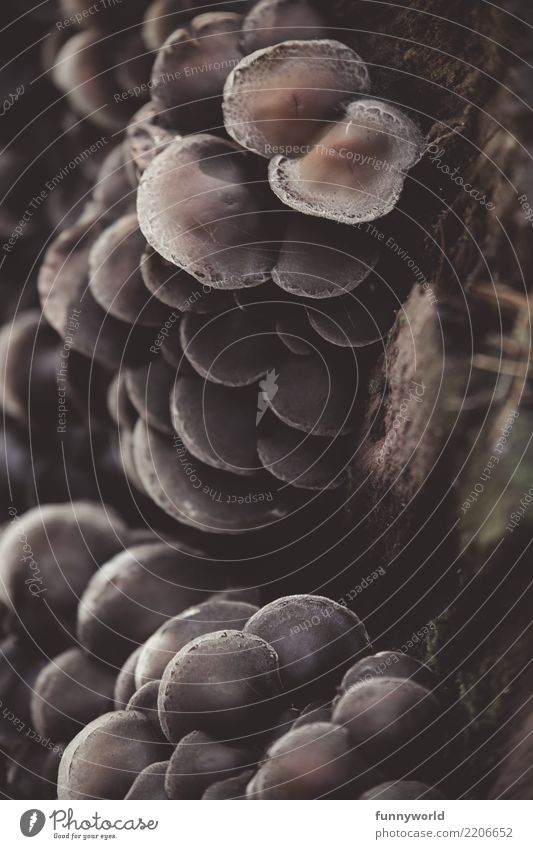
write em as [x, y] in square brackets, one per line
[235, 683]
[229, 348]
[115, 276]
[145, 138]
[173, 635]
[70, 691]
[356, 170]
[315, 638]
[199, 760]
[311, 762]
[360, 318]
[278, 100]
[103, 760]
[321, 259]
[217, 424]
[135, 592]
[203, 497]
[204, 206]
[190, 69]
[271, 21]
[392, 721]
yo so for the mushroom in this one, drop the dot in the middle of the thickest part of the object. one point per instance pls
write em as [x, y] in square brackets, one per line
[71, 309]
[104, 759]
[83, 72]
[135, 592]
[204, 206]
[150, 783]
[149, 388]
[164, 16]
[70, 691]
[145, 138]
[230, 347]
[303, 460]
[278, 100]
[360, 318]
[209, 499]
[216, 423]
[173, 635]
[190, 69]
[356, 169]
[63, 545]
[321, 259]
[199, 760]
[315, 396]
[272, 21]
[178, 289]
[29, 362]
[225, 683]
[115, 278]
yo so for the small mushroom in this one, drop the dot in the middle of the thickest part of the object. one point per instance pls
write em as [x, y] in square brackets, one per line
[229, 348]
[202, 497]
[114, 192]
[279, 100]
[315, 761]
[144, 700]
[225, 683]
[104, 759]
[321, 259]
[203, 205]
[314, 396]
[149, 388]
[145, 138]
[29, 363]
[190, 70]
[134, 593]
[83, 72]
[150, 783]
[303, 460]
[358, 319]
[71, 309]
[173, 635]
[216, 423]
[272, 21]
[178, 289]
[199, 760]
[70, 691]
[42, 579]
[115, 277]
[164, 16]
[356, 170]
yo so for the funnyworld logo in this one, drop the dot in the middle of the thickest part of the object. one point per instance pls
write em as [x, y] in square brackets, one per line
[32, 822]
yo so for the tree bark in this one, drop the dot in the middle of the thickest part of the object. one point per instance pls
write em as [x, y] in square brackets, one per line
[445, 449]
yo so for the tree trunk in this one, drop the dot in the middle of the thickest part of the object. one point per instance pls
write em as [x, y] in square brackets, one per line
[445, 448]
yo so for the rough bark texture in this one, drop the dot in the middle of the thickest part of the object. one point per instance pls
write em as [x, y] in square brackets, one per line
[456, 589]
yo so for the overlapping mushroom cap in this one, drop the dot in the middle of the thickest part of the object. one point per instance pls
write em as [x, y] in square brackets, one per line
[333, 154]
[245, 287]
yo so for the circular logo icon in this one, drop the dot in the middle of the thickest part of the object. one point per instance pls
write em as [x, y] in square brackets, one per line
[32, 822]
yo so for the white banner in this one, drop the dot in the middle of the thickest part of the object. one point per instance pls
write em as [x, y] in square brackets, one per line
[262, 825]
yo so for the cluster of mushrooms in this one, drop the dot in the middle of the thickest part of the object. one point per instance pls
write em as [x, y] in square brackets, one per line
[221, 272]
[195, 302]
[139, 671]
